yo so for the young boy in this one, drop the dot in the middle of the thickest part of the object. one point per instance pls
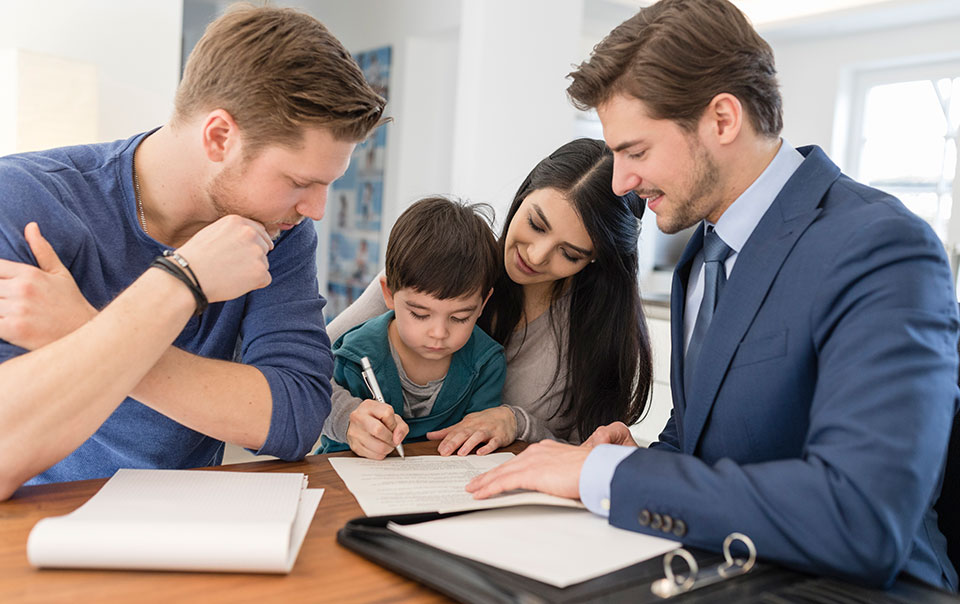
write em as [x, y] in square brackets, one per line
[432, 363]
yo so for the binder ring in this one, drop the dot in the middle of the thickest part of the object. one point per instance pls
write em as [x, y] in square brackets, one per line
[742, 566]
[674, 584]
[679, 582]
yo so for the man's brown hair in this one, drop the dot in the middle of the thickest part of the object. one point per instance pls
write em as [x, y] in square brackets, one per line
[675, 56]
[443, 248]
[277, 71]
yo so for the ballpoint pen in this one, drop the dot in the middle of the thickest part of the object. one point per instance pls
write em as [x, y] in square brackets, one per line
[370, 379]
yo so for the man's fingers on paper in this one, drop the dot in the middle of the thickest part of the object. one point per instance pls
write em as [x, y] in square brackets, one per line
[506, 477]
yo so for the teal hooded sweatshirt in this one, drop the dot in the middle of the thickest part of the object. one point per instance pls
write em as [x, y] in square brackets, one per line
[473, 382]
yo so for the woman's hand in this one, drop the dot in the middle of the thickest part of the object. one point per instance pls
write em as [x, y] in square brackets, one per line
[497, 427]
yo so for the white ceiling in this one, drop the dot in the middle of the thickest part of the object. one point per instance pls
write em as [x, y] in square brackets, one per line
[804, 18]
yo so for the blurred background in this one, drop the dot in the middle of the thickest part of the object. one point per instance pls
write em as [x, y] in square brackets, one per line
[476, 89]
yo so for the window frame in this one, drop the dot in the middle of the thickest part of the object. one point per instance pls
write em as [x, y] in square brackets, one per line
[863, 81]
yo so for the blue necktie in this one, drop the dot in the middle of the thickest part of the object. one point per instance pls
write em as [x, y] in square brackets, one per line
[715, 251]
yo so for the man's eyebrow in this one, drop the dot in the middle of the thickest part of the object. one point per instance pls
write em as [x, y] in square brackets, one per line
[546, 222]
[626, 145]
[313, 181]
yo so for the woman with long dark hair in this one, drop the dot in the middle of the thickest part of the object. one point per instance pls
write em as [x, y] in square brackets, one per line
[566, 309]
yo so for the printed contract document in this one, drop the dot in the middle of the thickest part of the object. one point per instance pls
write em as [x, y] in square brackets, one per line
[182, 520]
[428, 483]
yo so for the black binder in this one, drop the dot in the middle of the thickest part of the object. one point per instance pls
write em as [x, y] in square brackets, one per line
[473, 582]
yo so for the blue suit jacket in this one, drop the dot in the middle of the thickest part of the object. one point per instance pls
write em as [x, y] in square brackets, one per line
[818, 420]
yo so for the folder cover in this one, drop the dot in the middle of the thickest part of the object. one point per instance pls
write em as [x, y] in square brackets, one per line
[473, 582]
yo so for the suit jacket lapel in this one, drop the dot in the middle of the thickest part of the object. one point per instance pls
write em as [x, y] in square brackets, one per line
[757, 265]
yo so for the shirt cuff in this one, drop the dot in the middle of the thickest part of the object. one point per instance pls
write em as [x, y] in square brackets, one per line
[597, 474]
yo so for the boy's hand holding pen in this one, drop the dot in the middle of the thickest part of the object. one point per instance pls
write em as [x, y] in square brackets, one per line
[375, 429]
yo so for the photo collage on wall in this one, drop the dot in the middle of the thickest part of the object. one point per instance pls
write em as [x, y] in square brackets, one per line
[355, 204]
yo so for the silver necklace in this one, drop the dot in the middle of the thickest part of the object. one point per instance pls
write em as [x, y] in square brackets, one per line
[136, 191]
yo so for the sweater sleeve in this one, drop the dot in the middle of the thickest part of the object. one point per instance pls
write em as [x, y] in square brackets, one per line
[283, 336]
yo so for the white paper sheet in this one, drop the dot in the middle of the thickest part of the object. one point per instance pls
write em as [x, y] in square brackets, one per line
[550, 544]
[182, 520]
[428, 483]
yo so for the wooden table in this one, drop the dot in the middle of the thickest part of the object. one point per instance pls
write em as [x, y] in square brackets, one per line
[324, 571]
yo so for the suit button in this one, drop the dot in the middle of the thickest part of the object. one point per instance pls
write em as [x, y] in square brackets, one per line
[644, 518]
[679, 528]
[657, 522]
[667, 524]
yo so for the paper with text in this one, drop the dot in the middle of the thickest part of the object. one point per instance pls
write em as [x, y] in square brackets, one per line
[428, 483]
[182, 520]
[554, 545]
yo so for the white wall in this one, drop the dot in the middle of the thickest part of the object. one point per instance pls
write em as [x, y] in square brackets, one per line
[512, 108]
[134, 44]
[815, 75]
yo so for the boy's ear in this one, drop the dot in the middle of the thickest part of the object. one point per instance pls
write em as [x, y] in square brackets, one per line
[387, 294]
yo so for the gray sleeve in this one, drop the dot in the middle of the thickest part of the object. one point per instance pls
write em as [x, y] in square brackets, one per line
[370, 304]
[532, 429]
[342, 404]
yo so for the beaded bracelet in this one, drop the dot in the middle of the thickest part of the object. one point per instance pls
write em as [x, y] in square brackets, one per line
[177, 270]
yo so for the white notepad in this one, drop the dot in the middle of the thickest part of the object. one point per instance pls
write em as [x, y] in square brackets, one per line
[429, 483]
[550, 544]
[182, 520]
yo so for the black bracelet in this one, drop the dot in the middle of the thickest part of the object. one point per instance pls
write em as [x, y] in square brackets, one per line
[172, 268]
[183, 264]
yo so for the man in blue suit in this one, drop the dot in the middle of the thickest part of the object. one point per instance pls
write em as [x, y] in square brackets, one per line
[814, 323]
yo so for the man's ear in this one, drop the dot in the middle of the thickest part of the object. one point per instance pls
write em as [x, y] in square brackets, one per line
[723, 118]
[387, 294]
[220, 135]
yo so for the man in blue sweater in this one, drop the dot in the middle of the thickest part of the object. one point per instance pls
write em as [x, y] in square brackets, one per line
[158, 295]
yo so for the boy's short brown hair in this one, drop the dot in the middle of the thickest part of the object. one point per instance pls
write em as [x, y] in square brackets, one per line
[443, 248]
[675, 56]
[277, 71]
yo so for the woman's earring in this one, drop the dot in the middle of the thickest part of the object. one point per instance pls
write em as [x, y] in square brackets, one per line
[592, 261]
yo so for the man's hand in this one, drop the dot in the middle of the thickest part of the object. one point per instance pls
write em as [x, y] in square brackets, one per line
[39, 304]
[547, 466]
[616, 433]
[497, 427]
[375, 430]
[229, 257]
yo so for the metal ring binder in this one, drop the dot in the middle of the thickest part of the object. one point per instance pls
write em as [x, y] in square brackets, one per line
[674, 584]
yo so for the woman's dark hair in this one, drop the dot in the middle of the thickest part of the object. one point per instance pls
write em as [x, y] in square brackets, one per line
[609, 369]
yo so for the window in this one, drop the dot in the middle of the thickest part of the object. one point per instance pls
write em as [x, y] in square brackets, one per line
[904, 141]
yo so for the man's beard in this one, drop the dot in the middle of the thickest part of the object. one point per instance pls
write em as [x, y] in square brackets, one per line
[222, 197]
[691, 209]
